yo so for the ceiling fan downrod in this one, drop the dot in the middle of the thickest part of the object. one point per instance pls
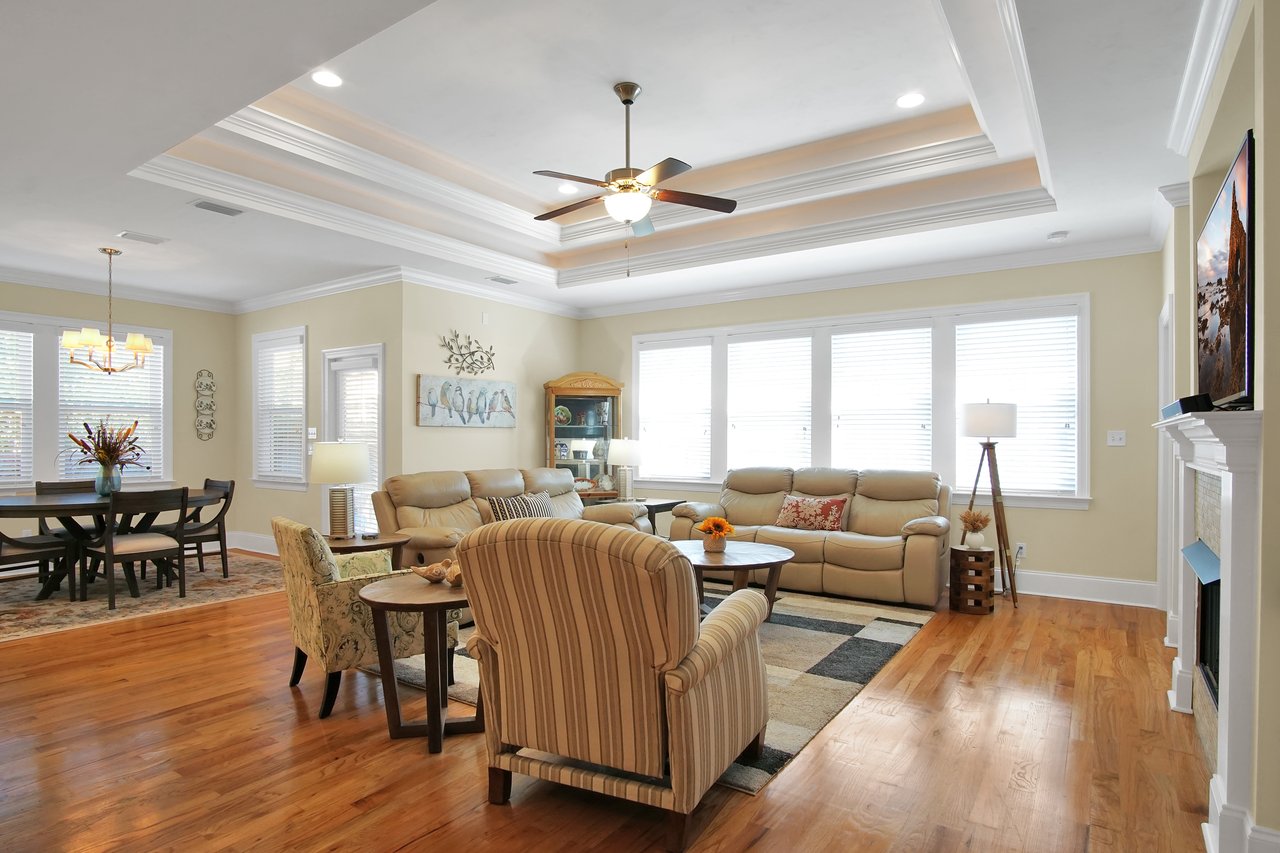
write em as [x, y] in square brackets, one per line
[627, 93]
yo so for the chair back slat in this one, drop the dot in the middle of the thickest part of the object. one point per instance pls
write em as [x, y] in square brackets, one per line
[147, 503]
[62, 487]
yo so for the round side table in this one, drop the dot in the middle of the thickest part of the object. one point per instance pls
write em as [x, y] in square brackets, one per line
[741, 558]
[973, 580]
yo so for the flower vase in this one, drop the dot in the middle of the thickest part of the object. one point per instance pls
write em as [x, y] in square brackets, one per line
[974, 540]
[108, 480]
[713, 544]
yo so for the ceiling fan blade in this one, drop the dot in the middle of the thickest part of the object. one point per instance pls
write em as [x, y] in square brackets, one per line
[577, 205]
[562, 176]
[707, 202]
[668, 168]
[642, 227]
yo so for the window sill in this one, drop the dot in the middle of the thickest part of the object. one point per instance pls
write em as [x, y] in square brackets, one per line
[1072, 502]
[281, 485]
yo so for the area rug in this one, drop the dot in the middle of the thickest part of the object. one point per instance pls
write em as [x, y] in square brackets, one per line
[820, 652]
[22, 616]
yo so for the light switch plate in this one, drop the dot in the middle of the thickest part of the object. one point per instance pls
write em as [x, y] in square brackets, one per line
[1115, 438]
[311, 433]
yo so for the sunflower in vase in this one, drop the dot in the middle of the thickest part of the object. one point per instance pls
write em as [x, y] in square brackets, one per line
[716, 529]
[111, 449]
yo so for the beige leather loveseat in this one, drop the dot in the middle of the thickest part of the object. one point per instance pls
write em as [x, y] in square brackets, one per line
[893, 536]
[435, 509]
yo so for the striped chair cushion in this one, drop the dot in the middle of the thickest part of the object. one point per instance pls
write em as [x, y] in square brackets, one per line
[528, 505]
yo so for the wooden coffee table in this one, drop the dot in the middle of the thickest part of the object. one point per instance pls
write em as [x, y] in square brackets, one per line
[357, 545]
[433, 600]
[741, 558]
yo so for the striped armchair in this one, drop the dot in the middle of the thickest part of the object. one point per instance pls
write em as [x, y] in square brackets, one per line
[591, 654]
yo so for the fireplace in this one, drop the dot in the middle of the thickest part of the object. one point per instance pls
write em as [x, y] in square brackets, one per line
[1209, 628]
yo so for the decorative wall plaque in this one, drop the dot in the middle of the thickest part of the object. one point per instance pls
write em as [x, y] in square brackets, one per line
[205, 405]
[466, 355]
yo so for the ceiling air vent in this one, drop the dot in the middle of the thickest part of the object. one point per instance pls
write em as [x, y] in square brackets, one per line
[214, 207]
[143, 238]
[501, 279]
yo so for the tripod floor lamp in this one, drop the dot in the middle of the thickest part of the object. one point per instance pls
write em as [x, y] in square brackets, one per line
[987, 421]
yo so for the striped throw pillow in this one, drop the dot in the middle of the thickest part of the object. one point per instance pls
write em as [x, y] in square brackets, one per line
[528, 505]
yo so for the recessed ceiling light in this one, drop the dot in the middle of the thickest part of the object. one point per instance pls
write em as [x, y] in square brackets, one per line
[567, 188]
[1058, 236]
[326, 78]
[910, 100]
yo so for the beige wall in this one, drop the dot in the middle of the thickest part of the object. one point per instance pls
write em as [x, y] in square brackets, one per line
[201, 340]
[530, 348]
[1113, 537]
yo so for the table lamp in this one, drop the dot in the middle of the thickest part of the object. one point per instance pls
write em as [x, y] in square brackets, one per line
[340, 464]
[987, 421]
[625, 453]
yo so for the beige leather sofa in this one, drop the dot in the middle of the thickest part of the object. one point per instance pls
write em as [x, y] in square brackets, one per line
[435, 509]
[892, 545]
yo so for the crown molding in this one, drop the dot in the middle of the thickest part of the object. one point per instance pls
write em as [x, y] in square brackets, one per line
[32, 278]
[1207, 45]
[408, 275]
[1178, 195]
[294, 138]
[207, 181]
[965, 212]
[854, 176]
[919, 272]
[1011, 28]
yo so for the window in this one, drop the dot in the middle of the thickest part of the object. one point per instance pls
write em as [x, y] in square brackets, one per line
[88, 397]
[882, 399]
[1032, 362]
[770, 402]
[353, 412]
[17, 408]
[877, 391]
[675, 410]
[279, 408]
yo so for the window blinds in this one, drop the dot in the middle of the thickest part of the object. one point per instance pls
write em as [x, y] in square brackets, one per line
[1032, 363]
[357, 406]
[279, 407]
[770, 402]
[674, 403]
[882, 399]
[90, 396]
[17, 414]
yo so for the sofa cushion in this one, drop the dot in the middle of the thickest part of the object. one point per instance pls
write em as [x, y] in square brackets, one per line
[868, 553]
[804, 513]
[825, 481]
[759, 481]
[553, 481]
[748, 508]
[888, 485]
[428, 538]
[496, 482]
[362, 564]
[411, 494]
[886, 518]
[807, 544]
[521, 506]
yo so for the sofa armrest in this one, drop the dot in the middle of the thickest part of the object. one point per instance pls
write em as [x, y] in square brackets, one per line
[436, 537]
[615, 513]
[732, 623]
[384, 509]
[930, 525]
[698, 510]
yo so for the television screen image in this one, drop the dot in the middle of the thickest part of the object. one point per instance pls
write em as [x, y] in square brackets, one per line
[1224, 288]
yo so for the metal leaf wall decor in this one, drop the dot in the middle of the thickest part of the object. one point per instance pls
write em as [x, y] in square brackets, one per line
[466, 355]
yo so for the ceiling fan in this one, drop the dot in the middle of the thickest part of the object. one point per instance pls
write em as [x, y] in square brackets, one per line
[630, 192]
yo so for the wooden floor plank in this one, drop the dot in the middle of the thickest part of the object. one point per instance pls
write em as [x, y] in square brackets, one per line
[1043, 728]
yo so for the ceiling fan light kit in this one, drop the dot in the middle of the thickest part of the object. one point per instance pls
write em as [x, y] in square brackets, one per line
[630, 193]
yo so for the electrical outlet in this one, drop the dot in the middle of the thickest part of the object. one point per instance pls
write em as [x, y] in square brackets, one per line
[1020, 552]
[1115, 438]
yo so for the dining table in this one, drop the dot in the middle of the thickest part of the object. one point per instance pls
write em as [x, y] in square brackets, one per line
[70, 507]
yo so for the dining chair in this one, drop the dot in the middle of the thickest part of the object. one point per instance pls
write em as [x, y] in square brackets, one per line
[197, 532]
[65, 487]
[18, 552]
[128, 538]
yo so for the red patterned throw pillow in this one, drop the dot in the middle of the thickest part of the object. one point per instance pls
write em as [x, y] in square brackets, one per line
[811, 513]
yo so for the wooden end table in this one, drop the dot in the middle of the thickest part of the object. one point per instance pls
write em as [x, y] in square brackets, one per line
[412, 594]
[973, 580]
[356, 545]
[741, 558]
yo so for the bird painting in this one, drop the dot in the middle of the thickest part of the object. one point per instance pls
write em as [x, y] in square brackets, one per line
[446, 397]
[459, 404]
[482, 405]
[432, 400]
[474, 402]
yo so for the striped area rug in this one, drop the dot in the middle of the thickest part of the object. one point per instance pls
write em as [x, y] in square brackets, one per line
[820, 653]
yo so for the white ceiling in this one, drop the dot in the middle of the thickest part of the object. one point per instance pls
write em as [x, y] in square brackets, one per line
[422, 159]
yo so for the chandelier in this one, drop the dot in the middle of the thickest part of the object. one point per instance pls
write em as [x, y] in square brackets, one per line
[92, 349]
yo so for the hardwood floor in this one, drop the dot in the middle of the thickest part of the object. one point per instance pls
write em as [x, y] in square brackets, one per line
[1041, 729]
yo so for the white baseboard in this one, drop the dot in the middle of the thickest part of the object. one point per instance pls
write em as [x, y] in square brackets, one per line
[1173, 625]
[1087, 588]
[1262, 839]
[259, 542]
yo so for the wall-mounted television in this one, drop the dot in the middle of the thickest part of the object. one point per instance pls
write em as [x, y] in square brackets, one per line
[1224, 288]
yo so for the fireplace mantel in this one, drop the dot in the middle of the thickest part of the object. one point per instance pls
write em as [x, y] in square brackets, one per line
[1227, 445]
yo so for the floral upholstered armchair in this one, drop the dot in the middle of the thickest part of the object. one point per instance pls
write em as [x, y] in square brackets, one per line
[595, 670]
[329, 621]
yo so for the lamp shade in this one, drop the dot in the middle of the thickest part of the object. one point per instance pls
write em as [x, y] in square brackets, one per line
[340, 462]
[625, 451]
[628, 205]
[990, 420]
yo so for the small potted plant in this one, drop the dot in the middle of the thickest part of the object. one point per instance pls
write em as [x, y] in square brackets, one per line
[111, 450]
[716, 529]
[974, 522]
